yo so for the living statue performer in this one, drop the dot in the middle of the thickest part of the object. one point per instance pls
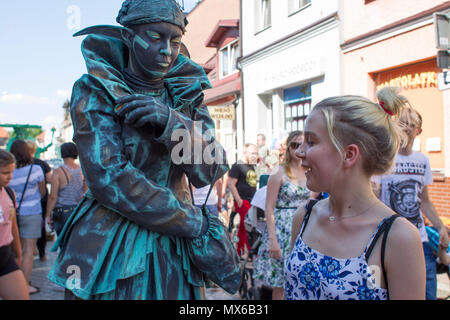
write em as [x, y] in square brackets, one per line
[136, 233]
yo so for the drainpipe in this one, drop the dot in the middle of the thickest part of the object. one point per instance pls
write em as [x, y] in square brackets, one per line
[241, 72]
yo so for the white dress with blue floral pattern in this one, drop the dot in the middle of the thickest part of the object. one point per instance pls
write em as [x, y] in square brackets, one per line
[311, 275]
[290, 197]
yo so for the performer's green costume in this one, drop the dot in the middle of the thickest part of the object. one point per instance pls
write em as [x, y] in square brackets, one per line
[132, 235]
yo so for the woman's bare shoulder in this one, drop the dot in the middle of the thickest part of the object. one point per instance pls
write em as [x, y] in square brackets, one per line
[404, 234]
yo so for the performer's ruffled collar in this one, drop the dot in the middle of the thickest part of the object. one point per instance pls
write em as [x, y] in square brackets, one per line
[106, 60]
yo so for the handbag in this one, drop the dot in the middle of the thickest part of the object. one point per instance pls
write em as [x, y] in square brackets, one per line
[213, 252]
[60, 216]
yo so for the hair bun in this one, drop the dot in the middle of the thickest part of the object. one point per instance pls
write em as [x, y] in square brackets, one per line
[391, 101]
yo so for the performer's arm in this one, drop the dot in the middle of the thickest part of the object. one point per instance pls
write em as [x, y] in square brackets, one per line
[113, 180]
[189, 139]
[206, 154]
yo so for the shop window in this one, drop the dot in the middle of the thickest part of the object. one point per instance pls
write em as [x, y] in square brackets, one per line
[228, 59]
[296, 5]
[262, 14]
[297, 106]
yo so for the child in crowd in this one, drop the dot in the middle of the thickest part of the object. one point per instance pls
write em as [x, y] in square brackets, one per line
[350, 245]
[12, 281]
[405, 190]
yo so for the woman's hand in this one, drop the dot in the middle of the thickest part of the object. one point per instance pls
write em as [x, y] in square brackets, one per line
[49, 220]
[139, 110]
[443, 237]
[274, 249]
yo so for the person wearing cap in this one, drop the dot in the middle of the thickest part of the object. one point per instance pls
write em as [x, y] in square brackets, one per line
[67, 188]
[134, 233]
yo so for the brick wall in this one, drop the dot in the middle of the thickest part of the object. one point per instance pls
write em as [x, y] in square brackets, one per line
[439, 193]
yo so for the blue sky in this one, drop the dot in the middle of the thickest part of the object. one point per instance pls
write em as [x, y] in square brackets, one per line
[39, 58]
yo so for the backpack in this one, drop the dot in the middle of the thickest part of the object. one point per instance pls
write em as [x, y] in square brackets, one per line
[11, 194]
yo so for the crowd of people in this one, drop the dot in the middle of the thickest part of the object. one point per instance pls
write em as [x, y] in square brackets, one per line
[310, 249]
[25, 206]
[314, 249]
[136, 233]
[364, 168]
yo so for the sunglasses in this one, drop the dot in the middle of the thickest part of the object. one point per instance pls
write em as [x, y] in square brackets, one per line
[295, 145]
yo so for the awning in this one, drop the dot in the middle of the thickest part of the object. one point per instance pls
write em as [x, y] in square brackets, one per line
[221, 92]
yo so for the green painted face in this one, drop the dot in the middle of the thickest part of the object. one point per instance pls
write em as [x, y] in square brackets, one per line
[154, 48]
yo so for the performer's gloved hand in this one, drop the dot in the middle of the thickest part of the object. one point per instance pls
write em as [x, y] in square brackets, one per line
[139, 110]
[213, 254]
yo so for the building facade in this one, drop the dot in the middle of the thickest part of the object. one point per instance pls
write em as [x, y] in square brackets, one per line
[212, 39]
[394, 43]
[291, 59]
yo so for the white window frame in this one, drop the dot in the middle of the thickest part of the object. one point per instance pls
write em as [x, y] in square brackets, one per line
[295, 6]
[230, 71]
[263, 8]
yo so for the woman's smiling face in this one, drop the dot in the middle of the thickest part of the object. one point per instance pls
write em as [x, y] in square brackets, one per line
[320, 159]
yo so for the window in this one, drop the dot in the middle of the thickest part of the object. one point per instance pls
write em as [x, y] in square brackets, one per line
[297, 106]
[296, 5]
[228, 59]
[263, 15]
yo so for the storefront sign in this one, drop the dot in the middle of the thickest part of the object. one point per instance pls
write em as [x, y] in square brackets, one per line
[291, 71]
[413, 81]
[222, 113]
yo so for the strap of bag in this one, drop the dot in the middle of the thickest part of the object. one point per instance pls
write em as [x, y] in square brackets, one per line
[382, 231]
[209, 191]
[308, 208]
[210, 188]
[67, 178]
[383, 248]
[24, 189]
[11, 195]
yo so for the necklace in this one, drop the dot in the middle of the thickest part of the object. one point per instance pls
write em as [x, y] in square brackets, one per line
[334, 219]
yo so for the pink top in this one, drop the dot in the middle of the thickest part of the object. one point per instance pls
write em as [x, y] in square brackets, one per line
[6, 215]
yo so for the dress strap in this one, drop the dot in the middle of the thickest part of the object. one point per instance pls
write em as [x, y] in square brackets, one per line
[309, 207]
[384, 225]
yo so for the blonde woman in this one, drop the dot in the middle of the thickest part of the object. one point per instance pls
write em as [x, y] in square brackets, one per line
[286, 191]
[350, 245]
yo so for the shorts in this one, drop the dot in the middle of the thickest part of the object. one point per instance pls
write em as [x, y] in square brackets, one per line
[29, 226]
[7, 261]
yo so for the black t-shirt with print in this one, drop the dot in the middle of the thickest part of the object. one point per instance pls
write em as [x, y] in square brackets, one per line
[246, 179]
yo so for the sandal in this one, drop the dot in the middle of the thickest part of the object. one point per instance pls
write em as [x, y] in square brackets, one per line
[31, 287]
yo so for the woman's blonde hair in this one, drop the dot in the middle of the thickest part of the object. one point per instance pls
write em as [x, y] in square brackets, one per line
[287, 157]
[369, 125]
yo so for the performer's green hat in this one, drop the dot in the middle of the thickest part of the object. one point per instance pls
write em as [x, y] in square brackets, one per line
[149, 11]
